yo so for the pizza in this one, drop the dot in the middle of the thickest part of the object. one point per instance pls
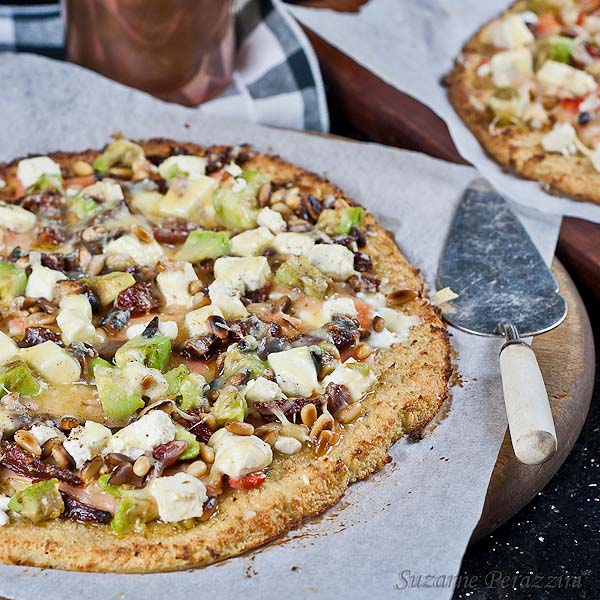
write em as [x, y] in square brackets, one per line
[199, 347]
[526, 85]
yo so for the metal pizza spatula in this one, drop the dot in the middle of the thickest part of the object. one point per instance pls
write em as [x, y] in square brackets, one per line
[504, 289]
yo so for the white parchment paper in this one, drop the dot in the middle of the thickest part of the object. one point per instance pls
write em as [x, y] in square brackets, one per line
[413, 518]
[412, 45]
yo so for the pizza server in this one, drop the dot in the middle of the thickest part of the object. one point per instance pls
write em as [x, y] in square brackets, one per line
[504, 289]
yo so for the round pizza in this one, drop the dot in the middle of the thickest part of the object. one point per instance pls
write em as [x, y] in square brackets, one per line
[199, 347]
[527, 86]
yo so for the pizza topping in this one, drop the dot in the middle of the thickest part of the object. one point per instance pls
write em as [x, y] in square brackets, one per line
[32, 171]
[85, 442]
[38, 502]
[239, 455]
[179, 497]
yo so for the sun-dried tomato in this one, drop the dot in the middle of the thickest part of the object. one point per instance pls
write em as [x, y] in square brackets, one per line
[248, 482]
[78, 511]
[138, 299]
[38, 335]
[173, 231]
[169, 453]
[338, 396]
[50, 236]
[47, 203]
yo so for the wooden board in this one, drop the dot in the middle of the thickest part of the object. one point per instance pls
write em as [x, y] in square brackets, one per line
[383, 114]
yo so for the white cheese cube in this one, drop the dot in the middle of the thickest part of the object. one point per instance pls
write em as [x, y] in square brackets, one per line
[151, 430]
[295, 371]
[191, 167]
[357, 380]
[253, 272]
[86, 442]
[106, 190]
[251, 242]
[29, 170]
[238, 455]
[561, 139]
[225, 296]
[396, 322]
[262, 390]
[131, 246]
[233, 169]
[338, 306]
[42, 433]
[298, 244]
[510, 32]
[52, 362]
[271, 219]
[167, 328]
[174, 284]
[42, 282]
[511, 67]
[75, 320]
[8, 348]
[155, 385]
[178, 497]
[196, 321]
[287, 445]
[567, 80]
[333, 260]
[16, 218]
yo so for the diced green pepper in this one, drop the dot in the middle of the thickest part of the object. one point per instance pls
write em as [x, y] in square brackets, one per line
[340, 221]
[39, 501]
[297, 272]
[16, 376]
[362, 368]
[13, 281]
[154, 352]
[200, 245]
[193, 446]
[135, 508]
[118, 400]
[230, 406]
[120, 152]
[561, 48]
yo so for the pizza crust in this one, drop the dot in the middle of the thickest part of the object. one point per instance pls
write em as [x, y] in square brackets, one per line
[411, 388]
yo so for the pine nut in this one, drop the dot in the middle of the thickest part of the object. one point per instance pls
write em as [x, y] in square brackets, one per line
[121, 172]
[27, 441]
[207, 454]
[122, 474]
[378, 323]
[271, 437]
[209, 420]
[62, 457]
[142, 234]
[47, 449]
[82, 168]
[141, 466]
[238, 428]
[308, 414]
[195, 286]
[400, 297]
[67, 423]
[363, 351]
[324, 422]
[92, 468]
[349, 413]
[324, 442]
[267, 428]
[197, 469]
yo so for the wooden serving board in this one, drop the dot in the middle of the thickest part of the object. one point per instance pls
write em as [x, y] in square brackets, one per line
[384, 114]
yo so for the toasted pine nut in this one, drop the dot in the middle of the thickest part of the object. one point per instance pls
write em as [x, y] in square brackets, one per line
[270, 437]
[378, 323]
[27, 441]
[141, 466]
[197, 469]
[68, 422]
[47, 449]
[122, 474]
[400, 297]
[325, 421]
[363, 351]
[82, 168]
[207, 454]
[267, 428]
[92, 468]
[62, 457]
[141, 233]
[308, 414]
[195, 286]
[349, 413]
[238, 428]
[323, 442]
[121, 172]
[209, 421]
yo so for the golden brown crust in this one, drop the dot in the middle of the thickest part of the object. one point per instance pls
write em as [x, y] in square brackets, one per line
[411, 388]
[517, 150]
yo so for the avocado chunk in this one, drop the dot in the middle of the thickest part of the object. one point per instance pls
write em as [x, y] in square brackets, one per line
[108, 287]
[238, 209]
[84, 207]
[97, 362]
[193, 446]
[340, 221]
[240, 362]
[120, 152]
[230, 406]
[297, 272]
[135, 508]
[38, 502]
[113, 490]
[16, 376]
[13, 282]
[200, 245]
[187, 388]
[119, 400]
[153, 352]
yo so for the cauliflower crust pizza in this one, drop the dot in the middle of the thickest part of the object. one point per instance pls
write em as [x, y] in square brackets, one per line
[526, 85]
[199, 347]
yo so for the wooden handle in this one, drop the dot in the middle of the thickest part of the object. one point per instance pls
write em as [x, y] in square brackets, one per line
[527, 406]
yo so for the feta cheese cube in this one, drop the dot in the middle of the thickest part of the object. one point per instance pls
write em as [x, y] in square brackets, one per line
[226, 296]
[143, 435]
[338, 306]
[357, 380]
[561, 139]
[52, 362]
[106, 190]
[155, 385]
[178, 497]
[8, 348]
[510, 32]
[298, 244]
[42, 433]
[511, 67]
[397, 328]
[167, 328]
[567, 80]
[15, 218]
[196, 321]
[252, 272]
[86, 442]
[191, 167]
[271, 219]
[333, 260]
[238, 455]
[174, 283]
[287, 445]
[295, 371]
[29, 170]
[42, 282]
[131, 246]
[75, 320]
[251, 242]
[262, 390]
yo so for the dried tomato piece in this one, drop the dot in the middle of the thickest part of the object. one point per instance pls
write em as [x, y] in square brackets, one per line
[362, 262]
[38, 335]
[173, 231]
[338, 396]
[138, 299]
[50, 236]
[78, 511]
[47, 203]
[248, 482]
[169, 453]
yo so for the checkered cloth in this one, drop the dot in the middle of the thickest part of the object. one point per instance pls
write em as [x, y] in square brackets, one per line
[276, 80]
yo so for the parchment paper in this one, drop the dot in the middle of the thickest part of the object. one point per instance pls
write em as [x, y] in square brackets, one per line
[413, 518]
[412, 45]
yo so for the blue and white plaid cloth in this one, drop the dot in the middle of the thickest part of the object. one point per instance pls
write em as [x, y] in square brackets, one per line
[276, 80]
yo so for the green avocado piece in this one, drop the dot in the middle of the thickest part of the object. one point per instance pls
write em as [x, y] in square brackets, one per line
[561, 48]
[193, 446]
[135, 508]
[16, 376]
[84, 207]
[108, 287]
[97, 362]
[340, 221]
[187, 388]
[297, 272]
[46, 183]
[39, 501]
[118, 400]
[154, 352]
[120, 152]
[13, 281]
[113, 490]
[230, 406]
[200, 245]
[239, 362]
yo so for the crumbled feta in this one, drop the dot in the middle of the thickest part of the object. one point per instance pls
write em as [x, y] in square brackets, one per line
[568, 79]
[143, 435]
[239, 185]
[174, 284]
[155, 386]
[196, 321]
[75, 320]
[528, 16]
[192, 167]
[295, 371]
[226, 296]
[397, 328]
[511, 66]
[42, 433]
[251, 242]
[262, 390]
[29, 170]
[52, 362]
[342, 305]
[233, 169]
[4, 518]
[238, 455]
[271, 219]
[287, 445]
[8, 348]
[253, 272]
[562, 139]
[106, 191]
[510, 32]
[86, 442]
[15, 218]
[333, 260]
[178, 497]
[289, 242]
[167, 328]
[42, 282]
[357, 380]
[141, 253]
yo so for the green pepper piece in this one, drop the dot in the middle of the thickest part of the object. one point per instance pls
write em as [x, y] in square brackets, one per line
[297, 272]
[135, 508]
[193, 446]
